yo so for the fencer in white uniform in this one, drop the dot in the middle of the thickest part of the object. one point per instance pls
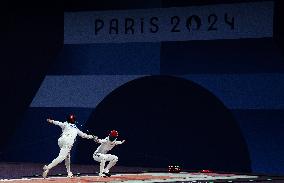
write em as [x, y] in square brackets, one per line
[101, 154]
[65, 142]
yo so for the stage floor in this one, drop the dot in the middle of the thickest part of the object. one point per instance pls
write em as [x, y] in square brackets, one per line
[151, 178]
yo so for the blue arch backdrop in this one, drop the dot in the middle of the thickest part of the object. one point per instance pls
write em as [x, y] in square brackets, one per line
[168, 120]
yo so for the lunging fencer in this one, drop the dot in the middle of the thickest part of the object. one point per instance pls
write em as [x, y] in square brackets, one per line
[101, 155]
[65, 142]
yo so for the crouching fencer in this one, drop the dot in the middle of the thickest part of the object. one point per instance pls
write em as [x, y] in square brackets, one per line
[101, 155]
[65, 142]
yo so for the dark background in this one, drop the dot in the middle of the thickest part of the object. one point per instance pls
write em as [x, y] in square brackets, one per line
[31, 40]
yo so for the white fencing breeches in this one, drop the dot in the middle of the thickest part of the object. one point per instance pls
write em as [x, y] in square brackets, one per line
[102, 158]
[67, 163]
[64, 154]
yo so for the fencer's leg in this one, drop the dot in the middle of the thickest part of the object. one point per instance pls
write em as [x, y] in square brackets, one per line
[112, 161]
[102, 166]
[45, 171]
[67, 164]
[62, 155]
[102, 159]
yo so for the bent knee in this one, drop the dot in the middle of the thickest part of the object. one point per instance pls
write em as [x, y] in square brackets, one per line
[99, 158]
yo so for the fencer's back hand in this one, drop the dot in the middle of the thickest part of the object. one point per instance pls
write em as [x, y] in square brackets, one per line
[49, 120]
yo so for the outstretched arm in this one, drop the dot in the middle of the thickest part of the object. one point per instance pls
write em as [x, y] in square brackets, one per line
[56, 122]
[119, 142]
[84, 135]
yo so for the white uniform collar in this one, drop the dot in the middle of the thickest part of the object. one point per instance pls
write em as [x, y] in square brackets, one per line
[70, 124]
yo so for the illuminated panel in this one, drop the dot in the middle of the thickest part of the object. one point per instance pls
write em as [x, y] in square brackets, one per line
[225, 21]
